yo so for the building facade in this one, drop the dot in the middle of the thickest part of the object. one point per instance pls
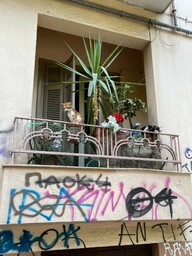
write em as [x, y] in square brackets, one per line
[61, 196]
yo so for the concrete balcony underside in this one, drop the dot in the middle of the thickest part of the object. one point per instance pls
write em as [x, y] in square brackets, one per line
[151, 5]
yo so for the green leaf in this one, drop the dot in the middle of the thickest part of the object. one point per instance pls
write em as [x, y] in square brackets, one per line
[80, 61]
[89, 111]
[88, 53]
[95, 76]
[112, 57]
[112, 83]
[71, 69]
[103, 109]
[104, 86]
[90, 88]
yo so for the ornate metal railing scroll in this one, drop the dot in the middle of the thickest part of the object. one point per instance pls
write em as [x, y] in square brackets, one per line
[47, 142]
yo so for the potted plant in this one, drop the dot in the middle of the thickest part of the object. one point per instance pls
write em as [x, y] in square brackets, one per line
[128, 105]
[101, 85]
[113, 122]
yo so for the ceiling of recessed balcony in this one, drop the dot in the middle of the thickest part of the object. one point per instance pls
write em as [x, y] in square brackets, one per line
[158, 6]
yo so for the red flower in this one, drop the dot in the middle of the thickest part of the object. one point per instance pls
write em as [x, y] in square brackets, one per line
[119, 117]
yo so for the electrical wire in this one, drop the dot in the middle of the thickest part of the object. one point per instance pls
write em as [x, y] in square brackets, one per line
[150, 36]
[167, 44]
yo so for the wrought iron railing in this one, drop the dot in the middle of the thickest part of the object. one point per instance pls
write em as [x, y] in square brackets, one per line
[48, 142]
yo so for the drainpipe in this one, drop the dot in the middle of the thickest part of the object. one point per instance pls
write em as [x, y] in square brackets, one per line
[147, 21]
[174, 10]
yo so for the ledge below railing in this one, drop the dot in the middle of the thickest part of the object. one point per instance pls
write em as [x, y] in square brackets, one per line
[50, 142]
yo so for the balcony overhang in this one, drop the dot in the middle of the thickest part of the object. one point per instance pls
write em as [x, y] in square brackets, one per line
[123, 207]
[58, 193]
[151, 5]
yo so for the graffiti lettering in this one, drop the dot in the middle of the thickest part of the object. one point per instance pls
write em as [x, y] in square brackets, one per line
[26, 240]
[139, 228]
[188, 165]
[37, 205]
[68, 182]
[79, 202]
[71, 236]
[178, 249]
[188, 153]
[139, 234]
[88, 203]
[91, 205]
[135, 206]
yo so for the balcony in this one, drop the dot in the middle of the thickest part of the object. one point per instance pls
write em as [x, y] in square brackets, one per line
[48, 142]
[82, 173]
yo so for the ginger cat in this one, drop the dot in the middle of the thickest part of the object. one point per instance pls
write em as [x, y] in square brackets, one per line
[73, 114]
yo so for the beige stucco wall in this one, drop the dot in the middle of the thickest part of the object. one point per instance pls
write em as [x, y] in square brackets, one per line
[168, 77]
[92, 198]
[167, 61]
[170, 81]
[97, 207]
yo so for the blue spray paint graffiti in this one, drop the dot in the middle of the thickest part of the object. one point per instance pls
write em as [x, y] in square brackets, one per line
[188, 155]
[4, 152]
[3, 149]
[26, 240]
[38, 205]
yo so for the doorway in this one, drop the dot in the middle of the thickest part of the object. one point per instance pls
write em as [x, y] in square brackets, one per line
[131, 250]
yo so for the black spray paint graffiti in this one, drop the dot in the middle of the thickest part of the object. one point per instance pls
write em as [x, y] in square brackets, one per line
[141, 232]
[27, 240]
[136, 208]
[41, 208]
[4, 152]
[47, 206]
[178, 249]
[188, 155]
[69, 235]
[68, 181]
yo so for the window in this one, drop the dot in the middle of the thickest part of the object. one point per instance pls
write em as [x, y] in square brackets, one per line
[52, 93]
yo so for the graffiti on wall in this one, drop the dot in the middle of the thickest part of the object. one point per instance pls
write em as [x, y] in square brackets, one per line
[165, 229]
[4, 152]
[187, 166]
[70, 236]
[178, 249]
[78, 198]
[67, 200]
[27, 239]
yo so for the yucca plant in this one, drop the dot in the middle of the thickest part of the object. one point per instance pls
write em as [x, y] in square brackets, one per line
[101, 85]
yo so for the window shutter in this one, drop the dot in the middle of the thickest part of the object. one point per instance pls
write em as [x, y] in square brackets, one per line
[53, 93]
[53, 104]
